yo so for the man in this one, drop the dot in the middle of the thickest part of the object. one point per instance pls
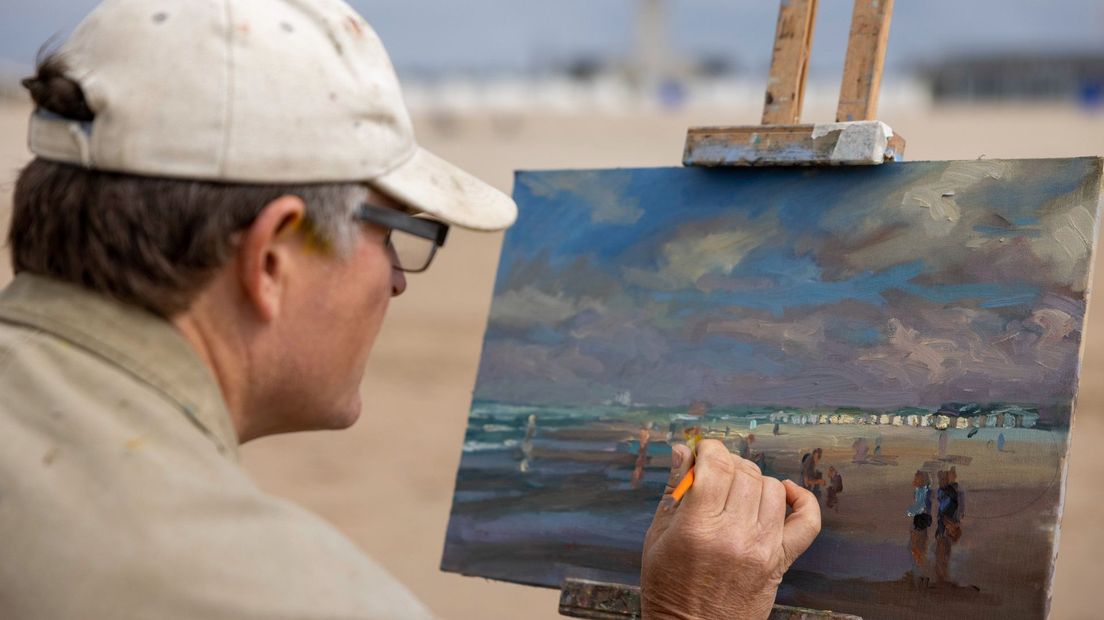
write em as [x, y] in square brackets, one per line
[221, 207]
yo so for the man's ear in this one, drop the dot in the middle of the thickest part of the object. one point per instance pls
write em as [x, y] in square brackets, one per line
[266, 252]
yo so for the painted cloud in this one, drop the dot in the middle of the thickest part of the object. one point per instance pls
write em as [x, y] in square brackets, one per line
[906, 284]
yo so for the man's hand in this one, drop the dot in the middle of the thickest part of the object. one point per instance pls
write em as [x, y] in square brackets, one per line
[722, 551]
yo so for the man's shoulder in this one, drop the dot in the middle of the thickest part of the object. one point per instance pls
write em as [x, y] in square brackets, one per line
[104, 485]
[59, 393]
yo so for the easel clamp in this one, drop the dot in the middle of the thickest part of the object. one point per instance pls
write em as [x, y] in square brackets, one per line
[857, 143]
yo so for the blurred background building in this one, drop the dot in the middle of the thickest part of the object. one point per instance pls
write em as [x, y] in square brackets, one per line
[1043, 76]
[615, 54]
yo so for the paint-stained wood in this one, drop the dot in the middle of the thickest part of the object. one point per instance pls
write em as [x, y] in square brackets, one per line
[855, 139]
[581, 598]
[830, 144]
[793, 40]
[862, 70]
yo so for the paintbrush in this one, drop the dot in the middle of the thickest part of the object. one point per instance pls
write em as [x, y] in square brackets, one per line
[687, 481]
[683, 485]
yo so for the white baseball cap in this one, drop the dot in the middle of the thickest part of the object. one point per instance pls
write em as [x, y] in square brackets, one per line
[252, 91]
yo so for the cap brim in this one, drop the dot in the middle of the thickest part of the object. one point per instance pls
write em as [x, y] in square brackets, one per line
[432, 185]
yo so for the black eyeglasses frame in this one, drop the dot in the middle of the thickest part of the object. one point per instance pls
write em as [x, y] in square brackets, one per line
[393, 219]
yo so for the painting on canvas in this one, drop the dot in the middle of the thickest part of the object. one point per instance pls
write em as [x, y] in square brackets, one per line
[904, 340]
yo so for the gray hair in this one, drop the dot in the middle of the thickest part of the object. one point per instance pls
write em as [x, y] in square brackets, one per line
[150, 242]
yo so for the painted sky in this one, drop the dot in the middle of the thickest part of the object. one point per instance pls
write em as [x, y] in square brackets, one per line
[905, 284]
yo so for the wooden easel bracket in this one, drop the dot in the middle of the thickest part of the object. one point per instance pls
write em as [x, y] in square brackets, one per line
[582, 598]
[854, 139]
[828, 144]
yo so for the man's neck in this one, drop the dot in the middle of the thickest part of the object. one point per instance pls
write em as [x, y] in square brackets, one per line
[228, 365]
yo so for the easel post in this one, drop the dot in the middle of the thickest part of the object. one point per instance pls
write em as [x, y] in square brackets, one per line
[862, 69]
[854, 139]
[793, 42]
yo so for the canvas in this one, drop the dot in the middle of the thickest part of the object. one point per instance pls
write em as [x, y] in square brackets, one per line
[904, 340]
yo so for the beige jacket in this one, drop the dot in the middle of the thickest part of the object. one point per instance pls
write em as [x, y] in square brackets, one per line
[120, 492]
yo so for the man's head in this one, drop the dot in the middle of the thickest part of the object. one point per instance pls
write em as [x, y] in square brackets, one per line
[244, 169]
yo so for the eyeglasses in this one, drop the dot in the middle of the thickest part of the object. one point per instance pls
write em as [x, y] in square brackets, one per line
[417, 240]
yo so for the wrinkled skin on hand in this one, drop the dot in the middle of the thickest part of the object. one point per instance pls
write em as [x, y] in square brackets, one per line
[721, 552]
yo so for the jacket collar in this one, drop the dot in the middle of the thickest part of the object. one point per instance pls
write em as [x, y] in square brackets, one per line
[141, 343]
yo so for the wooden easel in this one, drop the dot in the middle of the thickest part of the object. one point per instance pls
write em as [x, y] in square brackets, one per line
[854, 139]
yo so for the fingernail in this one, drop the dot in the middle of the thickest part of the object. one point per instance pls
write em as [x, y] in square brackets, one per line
[676, 459]
[667, 503]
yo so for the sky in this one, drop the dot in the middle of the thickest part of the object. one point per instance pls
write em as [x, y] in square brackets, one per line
[521, 35]
[912, 284]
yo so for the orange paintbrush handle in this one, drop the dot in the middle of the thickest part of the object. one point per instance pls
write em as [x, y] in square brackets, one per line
[683, 485]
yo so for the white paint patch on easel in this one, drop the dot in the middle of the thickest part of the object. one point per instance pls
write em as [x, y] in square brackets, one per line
[822, 129]
[858, 142]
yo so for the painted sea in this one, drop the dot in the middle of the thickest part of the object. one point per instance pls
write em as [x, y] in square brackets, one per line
[903, 340]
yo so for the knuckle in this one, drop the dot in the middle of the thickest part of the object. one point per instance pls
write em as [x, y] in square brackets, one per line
[808, 530]
[746, 467]
[672, 480]
[711, 448]
[753, 553]
[809, 497]
[762, 557]
[696, 539]
[747, 537]
[773, 489]
[714, 461]
[814, 525]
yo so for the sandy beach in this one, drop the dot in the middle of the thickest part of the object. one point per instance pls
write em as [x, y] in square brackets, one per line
[388, 482]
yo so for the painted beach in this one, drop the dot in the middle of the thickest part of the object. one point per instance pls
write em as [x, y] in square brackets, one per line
[545, 493]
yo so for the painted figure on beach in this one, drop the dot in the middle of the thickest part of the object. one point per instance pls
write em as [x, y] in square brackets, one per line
[835, 487]
[861, 448]
[1000, 442]
[740, 445]
[527, 444]
[811, 478]
[645, 436]
[948, 528]
[944, 439]
[920, 513]
[760, 459]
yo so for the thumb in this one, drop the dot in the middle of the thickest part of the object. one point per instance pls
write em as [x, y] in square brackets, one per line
[682, 459]
[802, 525]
